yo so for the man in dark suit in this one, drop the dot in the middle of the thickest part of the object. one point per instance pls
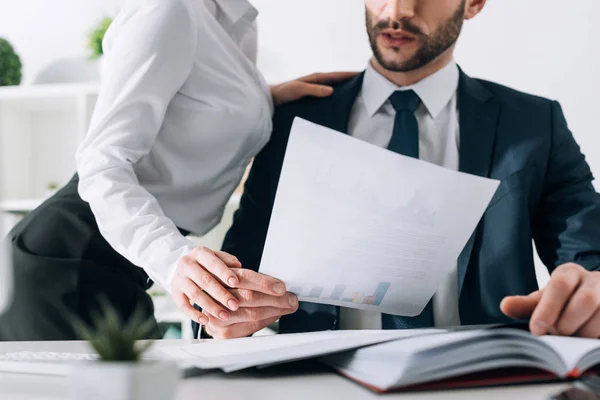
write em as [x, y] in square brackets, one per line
[414, 100]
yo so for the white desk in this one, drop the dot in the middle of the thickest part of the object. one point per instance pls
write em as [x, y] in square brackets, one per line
[248, 385]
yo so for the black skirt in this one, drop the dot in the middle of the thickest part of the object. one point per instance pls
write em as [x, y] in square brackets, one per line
[62, 266]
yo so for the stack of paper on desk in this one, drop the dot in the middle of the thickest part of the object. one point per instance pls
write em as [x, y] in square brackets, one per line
[237, 354]
[359, 226]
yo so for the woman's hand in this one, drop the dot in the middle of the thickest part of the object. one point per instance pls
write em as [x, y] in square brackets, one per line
[203, 277]
[313, 85]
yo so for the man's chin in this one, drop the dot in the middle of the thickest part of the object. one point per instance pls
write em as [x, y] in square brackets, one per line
[397, 65]
[396, 61]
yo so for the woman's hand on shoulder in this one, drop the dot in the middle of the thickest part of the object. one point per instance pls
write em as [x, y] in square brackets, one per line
[315, 85]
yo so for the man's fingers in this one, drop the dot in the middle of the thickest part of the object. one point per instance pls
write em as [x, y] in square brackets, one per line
[183, 303]
[230, 260]
[238, 330]
[259, 282]
[213, 264]
[197, 296]
[205, 281]
[520, 307]
[582, 307]
[251, 298]
[591, 329]
[328, 78]
[253, 314]
[562, 285]
[258, 314]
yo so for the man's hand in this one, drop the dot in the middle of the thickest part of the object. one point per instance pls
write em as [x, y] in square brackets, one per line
[263, 300]
[569, 305]
[314, 85]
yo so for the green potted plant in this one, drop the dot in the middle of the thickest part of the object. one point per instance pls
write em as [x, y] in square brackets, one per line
[95, 39]
[121, 373]
[10, 65]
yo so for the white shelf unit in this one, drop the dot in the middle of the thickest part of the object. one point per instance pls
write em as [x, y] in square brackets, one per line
[19, 207]
[41, 127]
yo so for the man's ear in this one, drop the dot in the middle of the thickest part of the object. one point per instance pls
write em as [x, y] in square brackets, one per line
[473, 7]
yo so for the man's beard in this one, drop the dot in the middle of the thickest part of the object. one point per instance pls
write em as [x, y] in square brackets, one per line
[440, 41]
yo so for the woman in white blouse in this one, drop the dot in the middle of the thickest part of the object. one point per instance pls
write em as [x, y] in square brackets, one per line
[182, 111]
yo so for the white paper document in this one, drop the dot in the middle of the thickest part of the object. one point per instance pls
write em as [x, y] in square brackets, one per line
[359, 226]
[237, 354]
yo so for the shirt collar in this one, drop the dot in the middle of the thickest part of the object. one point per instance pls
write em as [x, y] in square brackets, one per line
[235, 10]
[435, 91]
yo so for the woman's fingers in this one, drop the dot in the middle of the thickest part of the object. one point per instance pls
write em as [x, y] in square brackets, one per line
[183, 303]
[230, 260]
[315, 85]
[205, 277]
[303, 89]
[208, 283]
[328, 77]
[197, 296]
[215, 265]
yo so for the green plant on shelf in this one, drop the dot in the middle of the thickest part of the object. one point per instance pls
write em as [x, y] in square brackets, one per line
[113, 339]
[11, 68]
[96, 36]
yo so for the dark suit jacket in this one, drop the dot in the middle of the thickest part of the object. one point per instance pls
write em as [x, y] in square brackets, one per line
[546, 195]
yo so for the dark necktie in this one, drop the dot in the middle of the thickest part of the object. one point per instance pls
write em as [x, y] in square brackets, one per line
[405, 141]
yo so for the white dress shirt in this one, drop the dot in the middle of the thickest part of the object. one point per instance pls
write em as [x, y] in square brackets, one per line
[181, 112]
[372, 120]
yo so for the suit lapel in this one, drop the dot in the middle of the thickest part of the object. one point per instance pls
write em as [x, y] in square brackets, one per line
[478, 124]
[334, 111]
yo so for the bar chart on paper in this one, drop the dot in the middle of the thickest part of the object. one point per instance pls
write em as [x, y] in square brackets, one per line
[352, 295]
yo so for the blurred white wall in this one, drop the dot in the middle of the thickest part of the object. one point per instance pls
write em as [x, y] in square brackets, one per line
[546, 47]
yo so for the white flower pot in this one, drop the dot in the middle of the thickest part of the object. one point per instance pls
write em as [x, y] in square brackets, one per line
[146, 380]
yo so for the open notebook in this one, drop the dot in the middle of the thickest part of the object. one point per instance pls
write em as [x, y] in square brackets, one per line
[467, 358]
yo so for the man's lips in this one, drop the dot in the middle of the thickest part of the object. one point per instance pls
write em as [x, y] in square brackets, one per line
[393, 38]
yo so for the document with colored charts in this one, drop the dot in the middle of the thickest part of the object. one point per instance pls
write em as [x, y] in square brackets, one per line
[359, 226]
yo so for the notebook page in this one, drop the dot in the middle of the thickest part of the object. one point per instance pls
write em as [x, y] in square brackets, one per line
[571, 349]
[372, 364]
[417, 344]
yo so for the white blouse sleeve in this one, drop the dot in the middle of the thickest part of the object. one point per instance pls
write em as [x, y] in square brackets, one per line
[149, 53]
